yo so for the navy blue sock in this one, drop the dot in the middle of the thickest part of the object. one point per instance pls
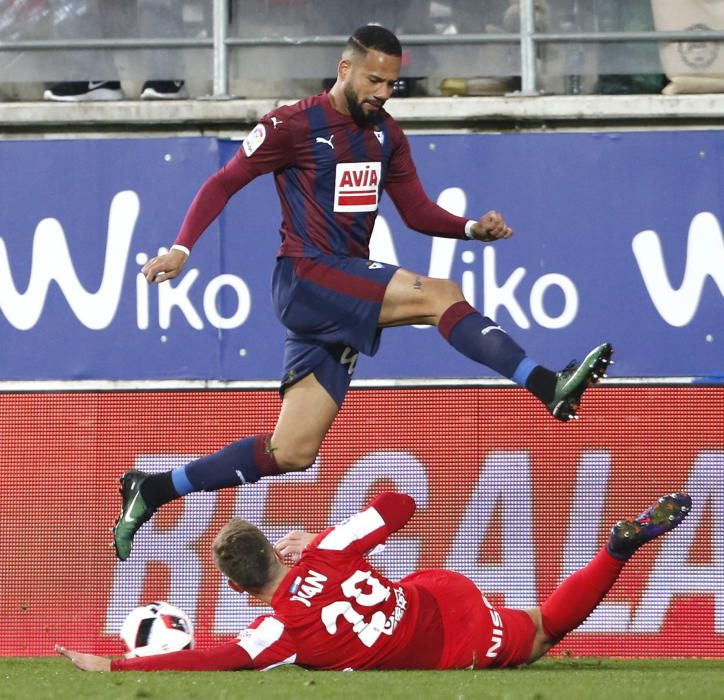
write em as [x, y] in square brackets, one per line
[482, 340]
[241, 462]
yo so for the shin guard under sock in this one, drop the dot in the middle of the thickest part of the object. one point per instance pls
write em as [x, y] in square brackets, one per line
[241, 462]
[482, 340]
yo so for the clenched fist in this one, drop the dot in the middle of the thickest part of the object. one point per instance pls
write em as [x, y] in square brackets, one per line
[491, 227]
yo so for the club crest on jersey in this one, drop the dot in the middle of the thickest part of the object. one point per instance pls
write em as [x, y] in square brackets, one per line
[357, 186]
[254, 139]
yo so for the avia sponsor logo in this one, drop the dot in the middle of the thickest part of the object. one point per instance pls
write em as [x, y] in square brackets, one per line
[356, 187]
[704, 258]
[96, 310]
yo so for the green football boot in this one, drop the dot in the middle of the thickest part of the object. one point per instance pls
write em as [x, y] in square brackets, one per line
[572, 381]
[134, 512]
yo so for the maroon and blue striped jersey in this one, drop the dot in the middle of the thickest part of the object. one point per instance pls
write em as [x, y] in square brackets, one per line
[329, 173]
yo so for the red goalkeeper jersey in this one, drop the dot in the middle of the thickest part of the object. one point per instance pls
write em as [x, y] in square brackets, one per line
[335, 611]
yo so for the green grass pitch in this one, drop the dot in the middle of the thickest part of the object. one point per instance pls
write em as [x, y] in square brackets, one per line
[550, 679]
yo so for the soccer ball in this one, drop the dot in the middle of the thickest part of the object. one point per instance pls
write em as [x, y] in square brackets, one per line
[156, 628]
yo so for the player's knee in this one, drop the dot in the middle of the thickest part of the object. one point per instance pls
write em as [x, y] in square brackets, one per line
[446, 294]
[295, 465]
[447, 289]
[294, 460]
[542, 642]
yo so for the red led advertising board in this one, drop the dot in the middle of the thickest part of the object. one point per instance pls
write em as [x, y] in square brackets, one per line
[505, 495]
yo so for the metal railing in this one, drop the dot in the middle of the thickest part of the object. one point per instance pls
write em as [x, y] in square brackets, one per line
[220, 43]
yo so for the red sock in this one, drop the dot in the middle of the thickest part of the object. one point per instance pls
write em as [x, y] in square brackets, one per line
[264, 456]
[577, 597]
[452, 316]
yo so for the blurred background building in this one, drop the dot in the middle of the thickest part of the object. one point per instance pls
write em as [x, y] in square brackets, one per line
[287, 48]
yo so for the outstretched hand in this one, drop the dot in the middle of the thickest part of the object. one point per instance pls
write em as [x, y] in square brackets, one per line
[491, 227]
[292, 545]
[85, 662]
[165, 267]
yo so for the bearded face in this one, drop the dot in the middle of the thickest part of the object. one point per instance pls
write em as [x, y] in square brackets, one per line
[368, 82]
[364, 111]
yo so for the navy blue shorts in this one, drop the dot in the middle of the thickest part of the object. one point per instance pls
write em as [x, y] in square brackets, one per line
[330, 306]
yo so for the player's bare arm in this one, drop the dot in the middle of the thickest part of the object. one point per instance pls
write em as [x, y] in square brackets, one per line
[85, 662]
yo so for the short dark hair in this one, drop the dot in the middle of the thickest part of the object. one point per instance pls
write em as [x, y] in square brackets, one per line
[244, 554]
[375, 37]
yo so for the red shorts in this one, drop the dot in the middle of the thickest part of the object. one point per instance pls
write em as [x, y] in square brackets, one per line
[475, 633]
[518, 638]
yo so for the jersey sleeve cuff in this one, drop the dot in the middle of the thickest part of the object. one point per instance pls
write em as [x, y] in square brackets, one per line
[182, 248]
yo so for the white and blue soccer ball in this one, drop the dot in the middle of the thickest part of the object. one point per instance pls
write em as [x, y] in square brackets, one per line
[156, 628]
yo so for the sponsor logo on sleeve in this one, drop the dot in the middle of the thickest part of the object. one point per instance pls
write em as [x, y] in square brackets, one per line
[356, 187]
[254, 139]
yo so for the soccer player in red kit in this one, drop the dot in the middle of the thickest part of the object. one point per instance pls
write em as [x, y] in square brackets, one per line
[333, 610]
[332, 155]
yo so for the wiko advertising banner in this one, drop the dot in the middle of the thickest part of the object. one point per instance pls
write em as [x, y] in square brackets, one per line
[505, 495]
[617, 238]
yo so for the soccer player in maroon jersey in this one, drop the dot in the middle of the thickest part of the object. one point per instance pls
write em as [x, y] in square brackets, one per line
[333, 610]
[332, 155]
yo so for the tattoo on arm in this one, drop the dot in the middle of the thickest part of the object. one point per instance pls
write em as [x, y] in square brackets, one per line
[418, 284]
